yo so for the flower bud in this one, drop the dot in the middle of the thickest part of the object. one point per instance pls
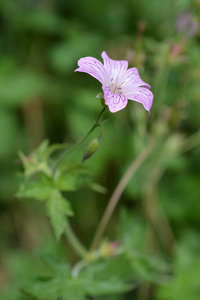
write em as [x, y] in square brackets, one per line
[91, 149]
[109, 249]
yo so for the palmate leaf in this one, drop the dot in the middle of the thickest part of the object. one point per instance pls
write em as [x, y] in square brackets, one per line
[108, 276]
[58, 208]
[40, 190]
[57, 287]
[103, 277]
[60, 284]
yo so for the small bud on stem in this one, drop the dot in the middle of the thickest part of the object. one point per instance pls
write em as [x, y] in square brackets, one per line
[91, 149]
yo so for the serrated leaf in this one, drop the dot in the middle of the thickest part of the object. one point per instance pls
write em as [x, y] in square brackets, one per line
[57, 287]
[37, 160]
[55, 265]
[99, 278]
[58, 208]
[49, 289]
[39, 190]
[110, 276]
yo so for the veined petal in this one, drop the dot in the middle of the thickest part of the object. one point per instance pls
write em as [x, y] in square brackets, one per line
[132, 79]
[142, 95]
[115, 102]
[115, 69]
[92, 66]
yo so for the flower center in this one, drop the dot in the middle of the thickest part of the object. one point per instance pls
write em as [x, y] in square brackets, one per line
[115, 88]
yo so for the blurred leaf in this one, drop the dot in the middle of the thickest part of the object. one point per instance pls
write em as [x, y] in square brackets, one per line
[54, 288]
[58, 208]
[71, 177]
[41, 21]
[65, 55]
[184, 284]
[37, 160]
[21, 86]
[103, 277]
[109, 276]
[146, 266]
[56, 265]
[18, 265]
[174, 190]
[8, 133]
[95, 186]
[54, 148]
[40, 190]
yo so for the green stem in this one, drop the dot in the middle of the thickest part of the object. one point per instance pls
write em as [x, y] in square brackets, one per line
[68, 151]
[118, 192]
[74, 242]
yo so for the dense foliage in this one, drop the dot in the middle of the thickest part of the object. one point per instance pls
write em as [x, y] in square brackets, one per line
[151, 247]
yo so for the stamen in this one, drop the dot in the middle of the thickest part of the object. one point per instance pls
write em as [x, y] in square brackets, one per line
[114, 87]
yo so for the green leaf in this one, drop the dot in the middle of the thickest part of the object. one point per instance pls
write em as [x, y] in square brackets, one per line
[184, 284]
[37, 160]
[72, 176]
[133, 233]
[41, 21]
[58, 208]
[57, 287]
[21, 85]
[42, 148]
[99, 278]
[57, 266]
[95, 186]
[40, 190]
[108, 276]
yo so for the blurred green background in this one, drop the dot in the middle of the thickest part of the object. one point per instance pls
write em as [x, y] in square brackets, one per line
[41, 97]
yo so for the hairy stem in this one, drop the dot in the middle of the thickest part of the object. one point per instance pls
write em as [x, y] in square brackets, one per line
[118, 192]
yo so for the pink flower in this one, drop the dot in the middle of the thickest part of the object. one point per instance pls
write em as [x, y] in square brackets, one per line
[118, 83]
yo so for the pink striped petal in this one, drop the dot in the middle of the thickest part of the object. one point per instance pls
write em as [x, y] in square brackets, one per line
[132, 79]
[143, 96]
[115, 102]
[115, 69]
[93, 67]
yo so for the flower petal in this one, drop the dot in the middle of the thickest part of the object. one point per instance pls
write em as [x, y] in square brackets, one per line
[91, 66]
[115, 69]
[142, 95]
[115, 102]
[132, 79]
